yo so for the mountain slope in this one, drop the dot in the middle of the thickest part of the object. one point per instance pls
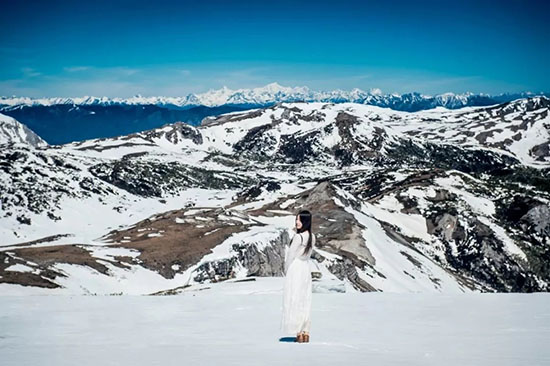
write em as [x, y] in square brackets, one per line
[438, 201]
[12, 131]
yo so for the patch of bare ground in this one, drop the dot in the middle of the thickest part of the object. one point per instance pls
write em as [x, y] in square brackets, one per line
[177, 237]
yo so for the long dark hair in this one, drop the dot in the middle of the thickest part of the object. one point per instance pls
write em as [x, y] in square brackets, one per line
[305, 219]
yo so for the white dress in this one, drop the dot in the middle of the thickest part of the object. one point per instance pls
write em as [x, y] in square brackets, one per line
[297, 285]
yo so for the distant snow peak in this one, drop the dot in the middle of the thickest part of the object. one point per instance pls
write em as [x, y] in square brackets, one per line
[275, 92]
[374, 91]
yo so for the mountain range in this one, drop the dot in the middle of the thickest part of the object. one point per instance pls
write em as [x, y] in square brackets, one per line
[273, 93]
[63, 120]
[439, 200]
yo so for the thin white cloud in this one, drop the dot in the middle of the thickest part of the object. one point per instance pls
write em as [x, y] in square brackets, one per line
[76, 68]
[180, 80]
[30, 72]
[117, 71]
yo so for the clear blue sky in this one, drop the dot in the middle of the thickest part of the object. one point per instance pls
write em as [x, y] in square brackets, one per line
[122, 48]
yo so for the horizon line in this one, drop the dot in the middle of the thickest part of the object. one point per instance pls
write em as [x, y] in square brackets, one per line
[371, 91]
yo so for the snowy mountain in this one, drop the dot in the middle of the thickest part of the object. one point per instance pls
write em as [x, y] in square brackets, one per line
[64, 120]
[12, 131]
[273, 93]
[431, 201]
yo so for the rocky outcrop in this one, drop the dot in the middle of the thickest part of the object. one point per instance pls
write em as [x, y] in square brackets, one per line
[537, 220]
[13, 131]
[265, 262]
[157, 179]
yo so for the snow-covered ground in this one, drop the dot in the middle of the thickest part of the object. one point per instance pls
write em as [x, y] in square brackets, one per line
[237, 323]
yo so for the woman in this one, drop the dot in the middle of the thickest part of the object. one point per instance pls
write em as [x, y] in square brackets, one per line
[297, 281]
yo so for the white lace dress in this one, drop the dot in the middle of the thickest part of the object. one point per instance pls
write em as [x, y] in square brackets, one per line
[297, 285]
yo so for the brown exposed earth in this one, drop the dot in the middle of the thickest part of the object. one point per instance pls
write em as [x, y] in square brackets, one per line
[171, 238]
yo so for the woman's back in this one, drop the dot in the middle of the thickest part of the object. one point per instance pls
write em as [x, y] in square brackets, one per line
[303, 245]
[297, 248]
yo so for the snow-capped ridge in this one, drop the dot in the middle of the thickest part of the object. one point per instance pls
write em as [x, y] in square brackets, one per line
[13, 131]
[274, 92]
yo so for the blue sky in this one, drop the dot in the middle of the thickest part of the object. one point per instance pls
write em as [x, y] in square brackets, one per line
[122, 48]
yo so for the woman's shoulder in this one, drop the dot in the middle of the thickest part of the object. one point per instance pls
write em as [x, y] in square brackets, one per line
[306, 233]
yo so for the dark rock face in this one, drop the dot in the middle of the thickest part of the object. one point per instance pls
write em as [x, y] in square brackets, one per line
[36, 181]
[348, 147]
[516, 208]
[256, 190]
[539, 179]
[430, 155]
[234, 117]
[537, 220]
[345, 269]
[481, 255]
[154, 179]
[353, 147]
[541, 151]
[298, 149]
[267, 262]
[177, 132]
[257, 143]
[531, 220]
